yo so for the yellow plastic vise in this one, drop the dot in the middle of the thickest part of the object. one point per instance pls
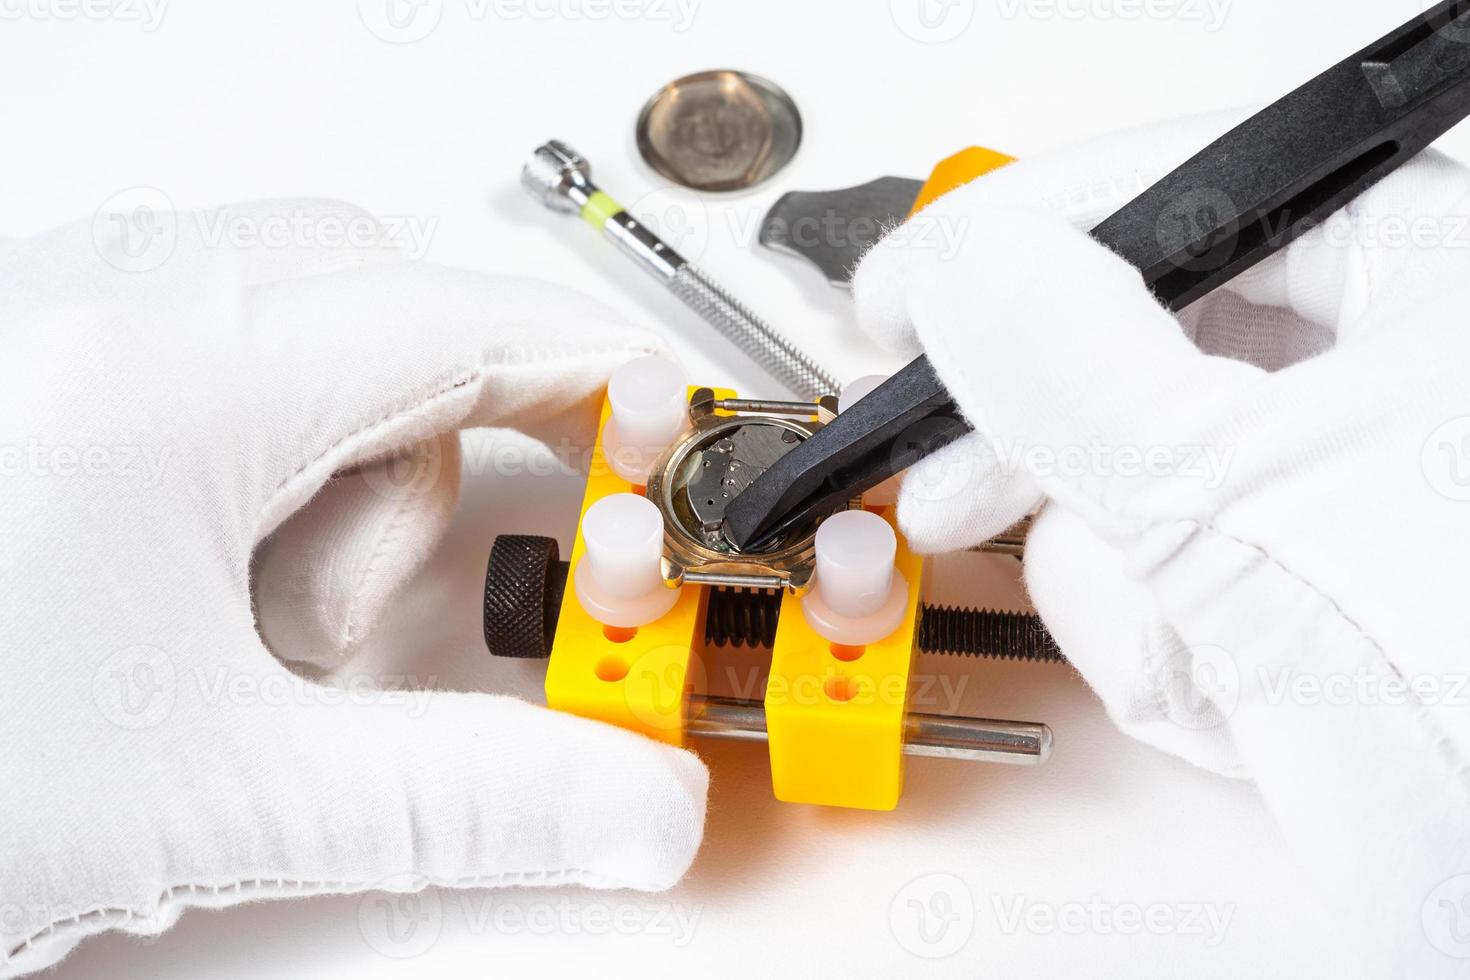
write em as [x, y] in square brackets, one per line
[834, 715]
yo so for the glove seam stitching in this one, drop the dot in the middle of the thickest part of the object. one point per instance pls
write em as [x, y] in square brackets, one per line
[248, 887]
[390, 533]
[1151, 666]
[1459, 769]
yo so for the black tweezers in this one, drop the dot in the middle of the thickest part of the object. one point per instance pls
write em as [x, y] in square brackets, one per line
[1244, 197]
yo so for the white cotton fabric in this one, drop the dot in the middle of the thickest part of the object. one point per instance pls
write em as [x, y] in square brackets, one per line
[157, 424]
[1294, 613]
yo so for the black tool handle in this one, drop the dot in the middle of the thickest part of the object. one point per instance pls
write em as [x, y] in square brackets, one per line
[1282, 172]
[1239, 200]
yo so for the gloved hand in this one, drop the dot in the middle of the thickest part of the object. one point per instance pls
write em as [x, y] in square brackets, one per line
[158, 419]
[1257, 514]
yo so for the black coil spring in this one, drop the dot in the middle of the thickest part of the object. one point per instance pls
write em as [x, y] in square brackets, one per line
[747, 617]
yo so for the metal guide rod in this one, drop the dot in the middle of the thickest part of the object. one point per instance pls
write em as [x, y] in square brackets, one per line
[734, 580]
[766, 406]
[936, 736]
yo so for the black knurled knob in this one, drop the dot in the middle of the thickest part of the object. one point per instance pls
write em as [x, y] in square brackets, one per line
[523, 588]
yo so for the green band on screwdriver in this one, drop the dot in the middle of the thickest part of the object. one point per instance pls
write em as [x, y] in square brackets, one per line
[598, 209]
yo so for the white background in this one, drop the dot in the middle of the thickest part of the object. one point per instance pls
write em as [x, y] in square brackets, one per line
[1018, 871]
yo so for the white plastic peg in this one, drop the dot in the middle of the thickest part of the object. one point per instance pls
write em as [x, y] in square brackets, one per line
[619, 580]
[650, 409]
[858, 596]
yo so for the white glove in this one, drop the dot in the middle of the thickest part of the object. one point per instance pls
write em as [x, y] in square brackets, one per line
[1258, 559]
[168, 401]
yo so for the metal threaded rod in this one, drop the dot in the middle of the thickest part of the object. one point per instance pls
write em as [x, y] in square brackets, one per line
[986, 633]
[559, 177]
[747, 617]
[741, 617]
[771, 352]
